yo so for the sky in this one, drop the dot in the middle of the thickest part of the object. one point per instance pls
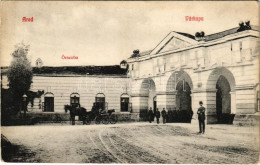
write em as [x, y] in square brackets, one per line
[105, 33]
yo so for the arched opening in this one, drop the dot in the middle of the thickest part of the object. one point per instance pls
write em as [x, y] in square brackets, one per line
[183, 98]
[74, 99]
[100, 102]
[175, 78]
[183, 102]
[220, 102]
[223, 100]
[124, 100]
[178, 98]
[48, 102]
[148, 93]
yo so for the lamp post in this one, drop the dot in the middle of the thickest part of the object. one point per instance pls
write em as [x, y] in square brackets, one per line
[24, 104]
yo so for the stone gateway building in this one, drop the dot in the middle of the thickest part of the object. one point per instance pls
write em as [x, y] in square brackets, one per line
[221, 69]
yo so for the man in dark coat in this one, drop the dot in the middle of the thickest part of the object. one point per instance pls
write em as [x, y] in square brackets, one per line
[170, 116]
[157, 115]
[73, 113]
[164, 115]
[201, 117]
[150, 115]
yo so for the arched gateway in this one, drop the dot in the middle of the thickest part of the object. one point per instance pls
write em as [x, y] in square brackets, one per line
[148, 93]
[220, 96]
[178, 100]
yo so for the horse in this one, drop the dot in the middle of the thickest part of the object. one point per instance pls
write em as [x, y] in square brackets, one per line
[76, 111]
[32, 95]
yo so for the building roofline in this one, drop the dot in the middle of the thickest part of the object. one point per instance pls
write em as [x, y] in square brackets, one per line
[109, 70]
[206, 38]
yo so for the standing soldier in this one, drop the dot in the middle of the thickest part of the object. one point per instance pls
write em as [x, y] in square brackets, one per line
[157, 115]
[150, 114]
[169, 115]
[164, 115]
[73, 114]
[201, 117]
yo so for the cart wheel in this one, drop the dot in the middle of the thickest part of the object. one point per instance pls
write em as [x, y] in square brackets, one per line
[87, 121]
[97, 120]
[113, 119]
[105, 120]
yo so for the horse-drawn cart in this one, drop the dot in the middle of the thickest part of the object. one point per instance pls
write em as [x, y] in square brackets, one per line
[106, 117]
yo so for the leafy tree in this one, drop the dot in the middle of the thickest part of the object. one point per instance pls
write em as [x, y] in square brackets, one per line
[19, 74]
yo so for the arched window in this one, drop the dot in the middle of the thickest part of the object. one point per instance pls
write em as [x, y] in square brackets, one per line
[124, 100]
[100, 101]
[48, 102]
[74, 99]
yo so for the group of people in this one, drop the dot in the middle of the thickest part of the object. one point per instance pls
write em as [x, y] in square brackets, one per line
[158, 114]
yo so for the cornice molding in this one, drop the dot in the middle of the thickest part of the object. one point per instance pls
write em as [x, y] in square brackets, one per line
[139, 95]
[245, 87]
[243, 34]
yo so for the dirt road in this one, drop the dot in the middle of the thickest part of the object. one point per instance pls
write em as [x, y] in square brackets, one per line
[133, 143]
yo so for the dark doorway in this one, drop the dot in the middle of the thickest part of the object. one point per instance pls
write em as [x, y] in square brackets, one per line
[223, 101]
[49, 104]
[124, 103]
[154, 104]
[183, 102]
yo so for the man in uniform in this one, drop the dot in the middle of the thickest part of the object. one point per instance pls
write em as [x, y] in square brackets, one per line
[73, 112]
[201, 117]
[150, 114]
[170, 119]
[164, 115]
[157, 115]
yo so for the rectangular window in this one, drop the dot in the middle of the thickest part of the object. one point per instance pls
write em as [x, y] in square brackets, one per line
[100, 99]
[49, 104]
[124, 104]
[240, 46]
[74, 100]
[100, 103]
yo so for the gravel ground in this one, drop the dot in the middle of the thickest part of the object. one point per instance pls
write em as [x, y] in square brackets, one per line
[133, 143]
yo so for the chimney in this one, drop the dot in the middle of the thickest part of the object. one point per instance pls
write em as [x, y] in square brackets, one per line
[199, 36]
